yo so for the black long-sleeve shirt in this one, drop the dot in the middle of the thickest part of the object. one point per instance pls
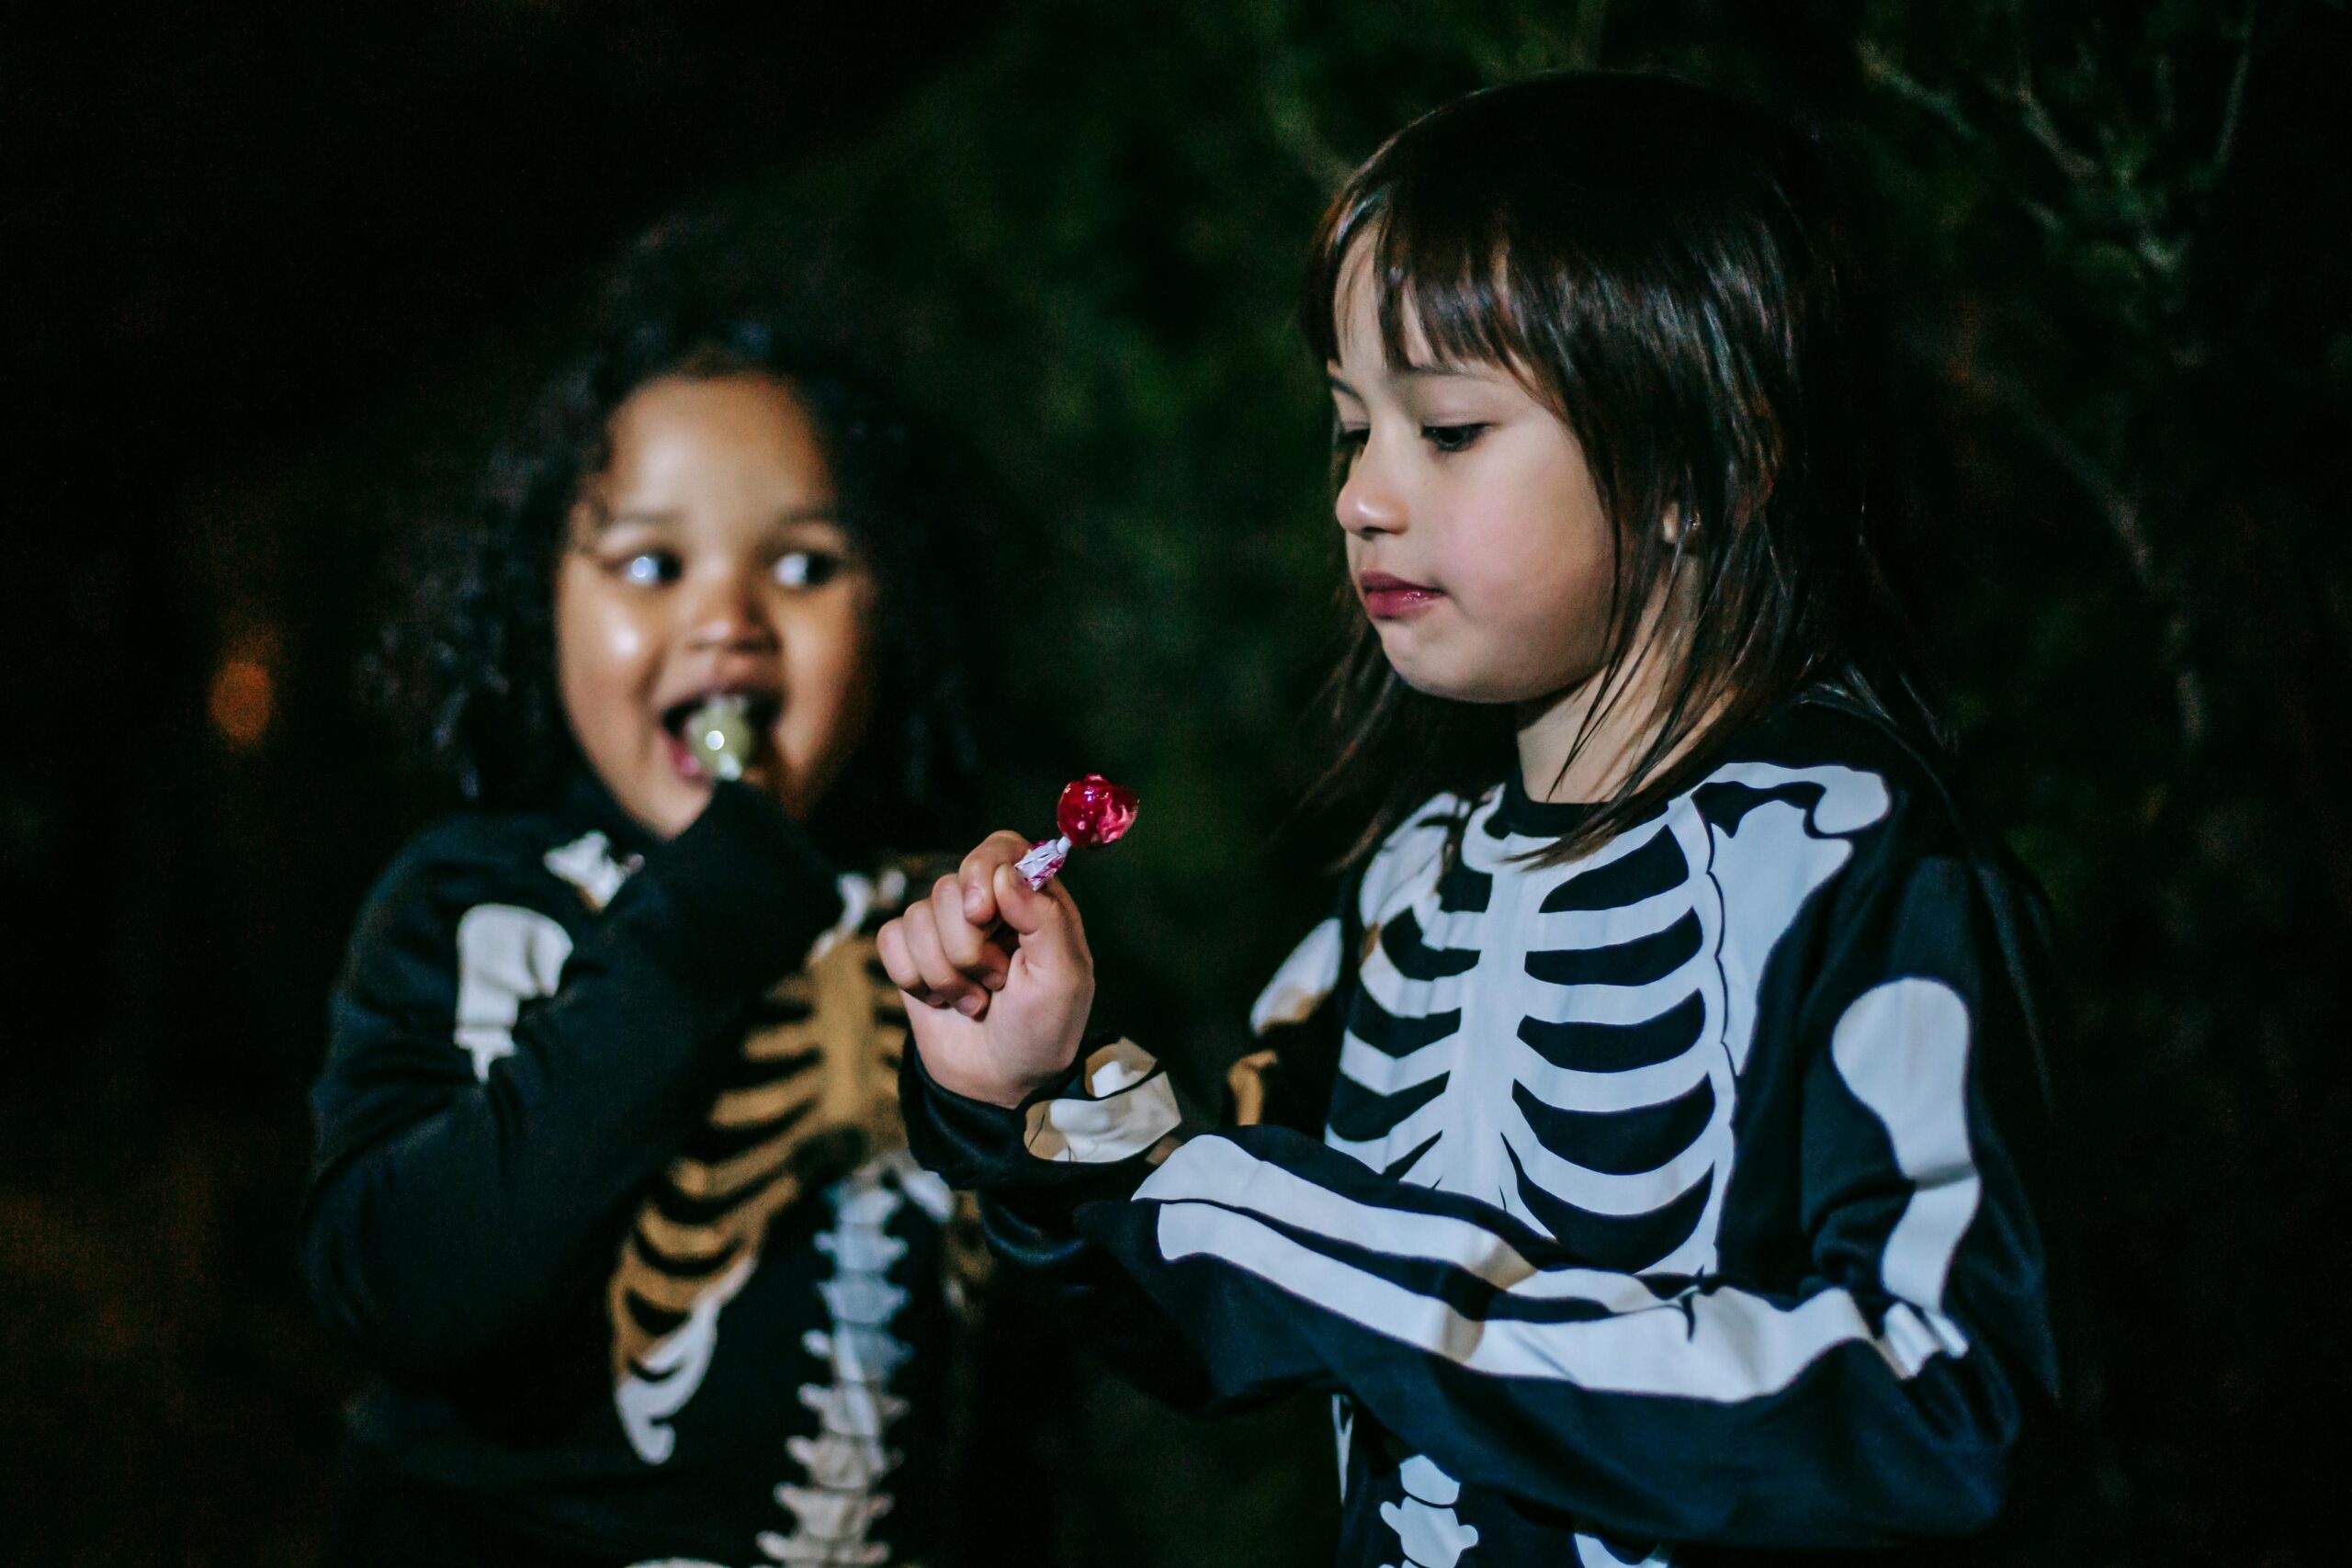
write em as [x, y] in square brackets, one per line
[1652, 1207]
[611, 1190]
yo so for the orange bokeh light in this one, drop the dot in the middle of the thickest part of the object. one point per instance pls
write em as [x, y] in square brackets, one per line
[243, 699]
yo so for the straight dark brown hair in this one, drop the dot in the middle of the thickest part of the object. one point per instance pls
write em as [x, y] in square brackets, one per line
[1654, 262]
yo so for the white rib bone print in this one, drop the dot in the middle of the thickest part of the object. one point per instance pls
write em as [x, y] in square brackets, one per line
[1566, 1042]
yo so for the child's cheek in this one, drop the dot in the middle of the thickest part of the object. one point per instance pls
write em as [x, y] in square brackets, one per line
[606, 655]
[828, 696]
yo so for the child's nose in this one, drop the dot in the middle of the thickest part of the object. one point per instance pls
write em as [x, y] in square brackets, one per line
[728, 611]
[1368, 503]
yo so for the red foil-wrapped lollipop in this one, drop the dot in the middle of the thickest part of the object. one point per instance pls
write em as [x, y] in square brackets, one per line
[1091, 811]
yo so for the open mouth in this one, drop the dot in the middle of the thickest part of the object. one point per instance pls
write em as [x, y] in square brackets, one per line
[718, 733]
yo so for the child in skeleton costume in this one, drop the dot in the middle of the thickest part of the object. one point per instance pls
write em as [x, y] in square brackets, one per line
[612, 1189]
[1633, 1155]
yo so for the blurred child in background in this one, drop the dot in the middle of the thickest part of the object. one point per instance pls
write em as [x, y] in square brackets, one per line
[611, 1190]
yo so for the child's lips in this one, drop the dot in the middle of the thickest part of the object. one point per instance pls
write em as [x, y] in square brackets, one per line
[1387, 598]
[683, 758]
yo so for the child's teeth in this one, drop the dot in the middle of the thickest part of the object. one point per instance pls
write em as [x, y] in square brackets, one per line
[721, 733]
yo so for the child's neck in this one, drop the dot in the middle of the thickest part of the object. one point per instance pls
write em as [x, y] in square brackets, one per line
[1553, 767]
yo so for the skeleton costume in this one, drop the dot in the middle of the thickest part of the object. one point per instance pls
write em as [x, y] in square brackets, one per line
[612, 1192]
[1643, 1209]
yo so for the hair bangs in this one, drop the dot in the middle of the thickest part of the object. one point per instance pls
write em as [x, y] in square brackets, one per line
[1444, 293]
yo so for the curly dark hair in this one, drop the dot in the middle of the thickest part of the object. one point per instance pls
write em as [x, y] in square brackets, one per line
[467, 662]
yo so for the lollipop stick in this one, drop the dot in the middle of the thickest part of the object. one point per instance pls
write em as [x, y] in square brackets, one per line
[1043, 863]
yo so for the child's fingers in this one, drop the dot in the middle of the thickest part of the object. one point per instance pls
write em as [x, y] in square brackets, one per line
[890, 946]
[978, 873]
[968, 946]
[948, 986]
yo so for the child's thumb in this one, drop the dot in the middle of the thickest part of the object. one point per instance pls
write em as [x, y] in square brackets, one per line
[1043, 918]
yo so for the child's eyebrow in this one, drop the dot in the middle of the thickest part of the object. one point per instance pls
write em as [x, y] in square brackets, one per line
[828, 512]
[1452, 370]
[1417, 374]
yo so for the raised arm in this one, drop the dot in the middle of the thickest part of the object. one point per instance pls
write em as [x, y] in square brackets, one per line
[494, 1094]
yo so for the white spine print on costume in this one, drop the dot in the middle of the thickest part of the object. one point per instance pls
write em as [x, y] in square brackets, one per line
[848, 1459]
[1426, 1530]
[1566, 1042]
[505, 956]
[587, 862]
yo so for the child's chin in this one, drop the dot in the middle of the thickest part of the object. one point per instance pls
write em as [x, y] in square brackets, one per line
[1452, 685]
[670, 807]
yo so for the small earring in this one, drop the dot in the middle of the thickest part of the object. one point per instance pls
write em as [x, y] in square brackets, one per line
[1674, 528]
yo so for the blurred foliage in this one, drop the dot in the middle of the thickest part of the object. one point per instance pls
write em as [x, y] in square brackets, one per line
[2114, 424]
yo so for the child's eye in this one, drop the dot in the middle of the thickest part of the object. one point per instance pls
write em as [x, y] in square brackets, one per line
[1346, 441]
[1452, 437]
[806, 568]
[648, 569]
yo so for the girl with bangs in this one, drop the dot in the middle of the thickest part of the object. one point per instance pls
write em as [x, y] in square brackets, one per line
[1631, 1155]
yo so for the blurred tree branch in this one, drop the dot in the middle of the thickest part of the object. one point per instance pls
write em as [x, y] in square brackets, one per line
[2120, 193]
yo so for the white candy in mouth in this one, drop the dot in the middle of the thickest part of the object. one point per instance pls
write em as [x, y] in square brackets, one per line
[720, 734]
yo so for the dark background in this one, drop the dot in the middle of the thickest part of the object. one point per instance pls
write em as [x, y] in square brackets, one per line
[274, 276]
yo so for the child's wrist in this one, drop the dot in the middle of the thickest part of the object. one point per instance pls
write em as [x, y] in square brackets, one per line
[1004, 1093]
[1008, 1092]
[992, 1083]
